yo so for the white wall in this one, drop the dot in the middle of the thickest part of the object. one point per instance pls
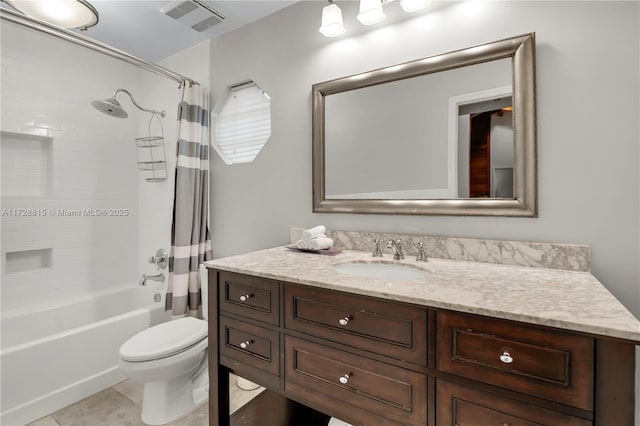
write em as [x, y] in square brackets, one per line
[587, 86]
[47, 88]
[156, 199]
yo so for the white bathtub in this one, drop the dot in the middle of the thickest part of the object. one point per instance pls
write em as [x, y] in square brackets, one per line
[53, 357]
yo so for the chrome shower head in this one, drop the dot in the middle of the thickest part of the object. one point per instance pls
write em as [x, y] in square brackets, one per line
[113, 108]
[110, 107]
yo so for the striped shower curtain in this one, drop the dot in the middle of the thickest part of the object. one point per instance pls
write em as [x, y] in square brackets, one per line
[190, 240]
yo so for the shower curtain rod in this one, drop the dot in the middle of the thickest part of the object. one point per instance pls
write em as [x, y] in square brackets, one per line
[81, 40]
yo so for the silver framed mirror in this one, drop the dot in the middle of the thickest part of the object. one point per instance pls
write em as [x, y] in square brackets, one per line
[390, 141]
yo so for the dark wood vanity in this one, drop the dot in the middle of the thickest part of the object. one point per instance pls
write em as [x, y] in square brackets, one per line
[371, 361]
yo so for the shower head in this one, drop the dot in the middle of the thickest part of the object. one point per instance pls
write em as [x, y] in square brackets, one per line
[110, 107]
[113, 108]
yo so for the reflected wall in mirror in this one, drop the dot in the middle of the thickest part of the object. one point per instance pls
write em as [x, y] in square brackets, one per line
[481, 126]
[451, 134]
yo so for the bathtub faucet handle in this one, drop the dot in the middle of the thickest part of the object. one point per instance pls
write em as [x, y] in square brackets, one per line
[160, 259]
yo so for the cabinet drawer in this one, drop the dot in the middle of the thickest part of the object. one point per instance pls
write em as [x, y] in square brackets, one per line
[463, 406]
[330, 377]
[387, 328]
[252, 297]
[546, 363]
[253, 345]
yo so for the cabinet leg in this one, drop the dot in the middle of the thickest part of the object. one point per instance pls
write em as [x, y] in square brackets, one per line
[615, 380]
[219, 396]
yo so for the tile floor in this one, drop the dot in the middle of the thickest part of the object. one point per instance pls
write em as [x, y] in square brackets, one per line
[121, 405]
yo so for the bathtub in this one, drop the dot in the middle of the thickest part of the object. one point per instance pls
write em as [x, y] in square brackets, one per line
[53, 357]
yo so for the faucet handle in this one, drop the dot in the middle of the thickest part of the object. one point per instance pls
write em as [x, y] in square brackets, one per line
[160, 259]
[377, 248]
[422, 254]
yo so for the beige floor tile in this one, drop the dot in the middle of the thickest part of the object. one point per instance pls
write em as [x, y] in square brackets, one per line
[107, 408]
[130, 389]
[199, 417]
[45, 421]
[121, 405]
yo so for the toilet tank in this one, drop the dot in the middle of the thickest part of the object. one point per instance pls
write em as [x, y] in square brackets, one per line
[204, 288]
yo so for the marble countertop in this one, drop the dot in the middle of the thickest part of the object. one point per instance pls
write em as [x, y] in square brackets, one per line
[564, 299]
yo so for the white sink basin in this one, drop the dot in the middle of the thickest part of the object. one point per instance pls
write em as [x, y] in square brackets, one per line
[381, 270]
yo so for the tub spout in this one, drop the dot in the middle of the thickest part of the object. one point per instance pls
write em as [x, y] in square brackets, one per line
[159, 277]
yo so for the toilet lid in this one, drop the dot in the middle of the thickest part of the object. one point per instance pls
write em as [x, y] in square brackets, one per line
[164, 339]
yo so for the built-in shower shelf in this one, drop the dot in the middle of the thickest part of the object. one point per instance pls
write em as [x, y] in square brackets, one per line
[149, 141]
[152, 165]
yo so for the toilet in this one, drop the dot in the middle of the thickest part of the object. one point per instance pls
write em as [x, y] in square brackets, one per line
[171, 360]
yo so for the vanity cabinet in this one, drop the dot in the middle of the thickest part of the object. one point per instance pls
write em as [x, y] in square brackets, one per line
[465, 406]
[376, 362]
[550, 364]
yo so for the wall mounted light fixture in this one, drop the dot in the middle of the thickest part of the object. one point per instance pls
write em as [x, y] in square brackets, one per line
[62, 13]
[331, 20]
[370, 13]
[414, 5]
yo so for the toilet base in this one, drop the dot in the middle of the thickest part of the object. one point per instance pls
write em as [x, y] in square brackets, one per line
[166, 401]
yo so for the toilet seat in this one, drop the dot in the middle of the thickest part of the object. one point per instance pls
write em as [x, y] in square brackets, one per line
[164, 340]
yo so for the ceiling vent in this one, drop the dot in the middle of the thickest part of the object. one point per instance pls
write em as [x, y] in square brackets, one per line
[197, 14]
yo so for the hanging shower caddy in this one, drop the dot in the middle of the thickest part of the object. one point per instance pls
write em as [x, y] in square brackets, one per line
[153, 153]
[154, 158]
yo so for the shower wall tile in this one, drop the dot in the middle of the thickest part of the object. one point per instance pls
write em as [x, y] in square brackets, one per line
[92, 166]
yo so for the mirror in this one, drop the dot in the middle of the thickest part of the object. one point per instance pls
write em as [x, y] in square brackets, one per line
[452, 134]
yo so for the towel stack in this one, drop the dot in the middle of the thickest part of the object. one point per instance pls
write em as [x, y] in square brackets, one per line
[314, 239]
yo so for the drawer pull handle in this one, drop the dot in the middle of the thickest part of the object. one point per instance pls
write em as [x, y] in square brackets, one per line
[245, 345]
[506, 358]
[344, 321]
[344, 379]
[245, 297]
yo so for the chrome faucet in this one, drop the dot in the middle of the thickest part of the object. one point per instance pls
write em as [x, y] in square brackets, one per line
[377, 248]
[159, 277]
[422, 252]
[396, 245]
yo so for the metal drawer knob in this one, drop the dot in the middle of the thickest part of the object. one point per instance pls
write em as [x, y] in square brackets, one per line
[506, 358]
[344, 379]
[245, 297]
[343, 321]
[245, 345]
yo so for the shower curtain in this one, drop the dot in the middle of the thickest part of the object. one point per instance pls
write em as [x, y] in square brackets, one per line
[190, 240]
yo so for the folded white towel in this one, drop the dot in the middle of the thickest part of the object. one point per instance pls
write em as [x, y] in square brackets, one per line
[302, 244]
[337, 422]
[322, 243]
[313, 232]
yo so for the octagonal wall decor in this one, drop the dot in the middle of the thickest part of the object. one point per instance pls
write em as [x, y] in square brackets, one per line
[242, 125]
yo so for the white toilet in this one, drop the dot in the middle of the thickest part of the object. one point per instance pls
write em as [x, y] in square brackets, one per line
[171, 360]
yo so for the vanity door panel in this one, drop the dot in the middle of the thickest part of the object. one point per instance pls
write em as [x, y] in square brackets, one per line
[463, 406]
[546, 363]
[251, 297]
[331, 376]
[387, 328]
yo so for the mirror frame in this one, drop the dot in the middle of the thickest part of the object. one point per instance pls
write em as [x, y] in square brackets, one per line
[521, 50]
